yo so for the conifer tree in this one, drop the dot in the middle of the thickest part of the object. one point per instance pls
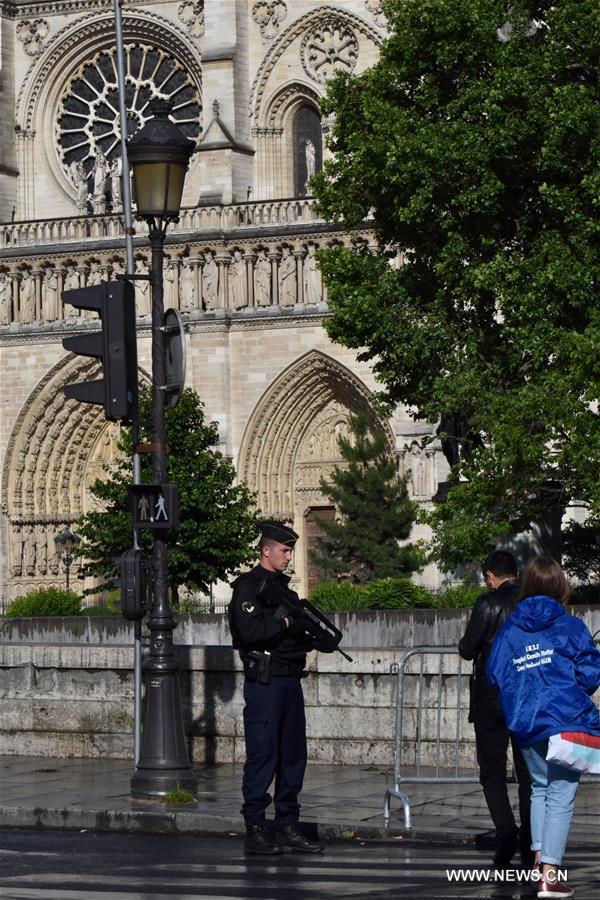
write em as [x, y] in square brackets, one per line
[374, 509]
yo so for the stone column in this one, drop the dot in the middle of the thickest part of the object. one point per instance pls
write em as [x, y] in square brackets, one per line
[274, 256]
[37, 277]
[249, 257]
[299, 254]
[223, 295]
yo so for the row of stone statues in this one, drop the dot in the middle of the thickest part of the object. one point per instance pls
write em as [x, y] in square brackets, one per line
[105, 188]
[33, 551]
[243, 278]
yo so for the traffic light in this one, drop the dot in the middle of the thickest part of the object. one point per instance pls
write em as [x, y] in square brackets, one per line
[114, 344]
[133, 584]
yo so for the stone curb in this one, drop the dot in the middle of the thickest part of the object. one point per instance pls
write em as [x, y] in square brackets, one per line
[161, 821]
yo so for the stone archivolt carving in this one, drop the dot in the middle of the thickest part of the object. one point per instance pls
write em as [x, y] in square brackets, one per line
[278, 436]
[330, 46]
[33, 33]
[192, 15]
[269, 16]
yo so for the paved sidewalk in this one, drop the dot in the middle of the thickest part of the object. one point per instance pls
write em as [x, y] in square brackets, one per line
[344, 801]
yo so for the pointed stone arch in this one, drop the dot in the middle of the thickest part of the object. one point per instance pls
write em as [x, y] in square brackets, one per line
[290, 442]
[55, 451]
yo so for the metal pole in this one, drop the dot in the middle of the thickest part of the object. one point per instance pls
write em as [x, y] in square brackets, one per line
[164, 763]
[130, 269]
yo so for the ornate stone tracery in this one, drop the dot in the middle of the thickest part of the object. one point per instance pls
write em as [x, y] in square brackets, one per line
[330, 46]
[269, 16]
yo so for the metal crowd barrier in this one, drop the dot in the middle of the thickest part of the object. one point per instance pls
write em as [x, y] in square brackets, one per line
[440, 775]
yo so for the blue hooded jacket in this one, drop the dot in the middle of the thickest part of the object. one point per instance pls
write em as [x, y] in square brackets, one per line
[545, 665]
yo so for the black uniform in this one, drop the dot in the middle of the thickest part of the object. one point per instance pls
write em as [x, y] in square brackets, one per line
[274, 656]
[491, 734]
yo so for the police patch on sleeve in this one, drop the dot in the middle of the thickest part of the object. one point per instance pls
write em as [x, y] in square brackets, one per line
[247, 606]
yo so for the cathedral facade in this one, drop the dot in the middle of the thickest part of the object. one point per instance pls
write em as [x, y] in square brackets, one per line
[244, 79]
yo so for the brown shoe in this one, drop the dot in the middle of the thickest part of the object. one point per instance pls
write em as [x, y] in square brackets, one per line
[547, 890]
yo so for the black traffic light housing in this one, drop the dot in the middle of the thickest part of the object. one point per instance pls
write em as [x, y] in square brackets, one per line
[134, 584]
[115, 344]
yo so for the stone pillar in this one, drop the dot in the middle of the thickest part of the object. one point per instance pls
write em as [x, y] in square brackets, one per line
[299, 254]
[274, 256]
[223, 295]
[249, 257]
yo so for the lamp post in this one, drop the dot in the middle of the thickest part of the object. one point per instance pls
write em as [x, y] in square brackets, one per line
[159, 154]
[65, 541]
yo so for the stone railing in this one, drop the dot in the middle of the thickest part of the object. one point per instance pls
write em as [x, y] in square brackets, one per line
[239, 257]
[192, 220]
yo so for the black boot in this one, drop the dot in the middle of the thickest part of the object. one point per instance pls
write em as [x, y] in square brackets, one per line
[259, 840]
[290, 836]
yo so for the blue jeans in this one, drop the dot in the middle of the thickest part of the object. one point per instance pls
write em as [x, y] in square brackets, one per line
[553, 790]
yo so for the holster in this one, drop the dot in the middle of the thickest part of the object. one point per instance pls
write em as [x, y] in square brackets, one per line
[257, 666]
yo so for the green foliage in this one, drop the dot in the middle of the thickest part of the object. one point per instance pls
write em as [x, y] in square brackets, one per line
[218, 525]
[45, 602]
[336, 595]
[374, 508]
[179, 796]
[459, 596]
[585, 594]
[396, 593]
[480, 158]
[580, 547]
[391, 593]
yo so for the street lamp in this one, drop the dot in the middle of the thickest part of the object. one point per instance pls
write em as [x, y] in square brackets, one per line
[65, 542]
[159, 154]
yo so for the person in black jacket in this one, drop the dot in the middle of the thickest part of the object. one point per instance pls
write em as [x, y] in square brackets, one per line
[273, 648]
[491, 734]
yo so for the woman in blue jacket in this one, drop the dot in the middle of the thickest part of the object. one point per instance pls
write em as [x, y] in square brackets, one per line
[546, 666]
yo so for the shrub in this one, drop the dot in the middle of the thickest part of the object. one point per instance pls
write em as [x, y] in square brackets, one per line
[45, 602]
[100, 611]
[585, 594]
[329, 596]
[461, 596]
[396, 593]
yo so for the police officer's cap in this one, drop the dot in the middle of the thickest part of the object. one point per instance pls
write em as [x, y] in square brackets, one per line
[276, 531]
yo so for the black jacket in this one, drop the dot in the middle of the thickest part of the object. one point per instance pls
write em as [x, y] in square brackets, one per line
[488, 614]
[256, 620]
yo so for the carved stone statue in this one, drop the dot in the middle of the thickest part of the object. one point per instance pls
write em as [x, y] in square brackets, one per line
[116, 170]
[71, 278]
[287, 279]
[95, 275]
[5, 299]
[262, 279]
[169, 284]
[100, 175]
[50, 295]
[238, 295]
[27, 297]
[312, 277]
[80, 183]
[310, 156]
[16, 551]
[143, 305]
[28, 550]
[41, 550]
[210, 281]
[188, 295]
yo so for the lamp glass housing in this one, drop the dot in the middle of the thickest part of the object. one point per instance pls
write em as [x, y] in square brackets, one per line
[159, 187]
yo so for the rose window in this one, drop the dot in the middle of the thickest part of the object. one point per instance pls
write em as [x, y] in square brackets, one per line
[328, 47]
[88, 116]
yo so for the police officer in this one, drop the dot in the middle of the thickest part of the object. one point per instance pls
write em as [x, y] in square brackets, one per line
[273, 645]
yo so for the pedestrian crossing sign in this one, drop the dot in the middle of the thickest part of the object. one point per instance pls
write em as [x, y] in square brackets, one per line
[154, 506]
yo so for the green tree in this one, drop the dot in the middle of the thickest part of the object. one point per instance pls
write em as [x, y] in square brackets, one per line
[474, 143]
[374, 509]
[218, 525]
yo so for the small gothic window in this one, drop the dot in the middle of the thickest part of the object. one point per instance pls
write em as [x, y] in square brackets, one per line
[308, 148]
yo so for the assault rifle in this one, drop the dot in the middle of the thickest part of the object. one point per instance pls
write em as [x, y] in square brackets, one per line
[313, 621]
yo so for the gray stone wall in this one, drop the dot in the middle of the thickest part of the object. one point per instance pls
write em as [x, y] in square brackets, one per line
[66, 689]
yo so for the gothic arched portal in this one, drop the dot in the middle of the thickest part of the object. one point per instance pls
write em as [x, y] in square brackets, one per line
[291, 440]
